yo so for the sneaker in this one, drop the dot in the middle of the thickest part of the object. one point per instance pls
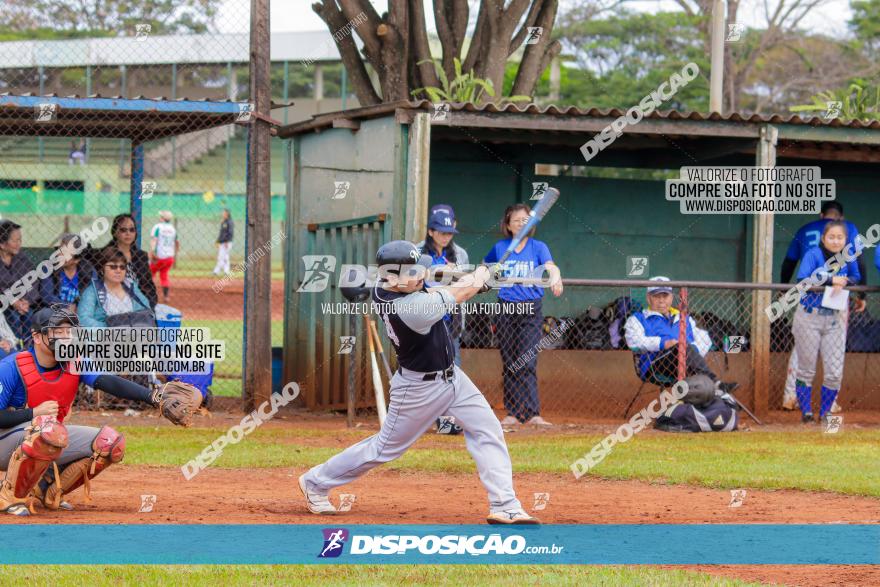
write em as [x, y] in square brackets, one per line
[18, 509]
[789, 402]
[510, 421]
[835, 408]
[317, 503]
[539, 421]
[807, 418]
[512, 517]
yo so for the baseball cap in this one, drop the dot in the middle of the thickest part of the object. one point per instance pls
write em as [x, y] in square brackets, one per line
[442, 218]
[653, 289]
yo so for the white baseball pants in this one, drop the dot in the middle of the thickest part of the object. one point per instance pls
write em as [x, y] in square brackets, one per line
[415, 405]
[222, 265]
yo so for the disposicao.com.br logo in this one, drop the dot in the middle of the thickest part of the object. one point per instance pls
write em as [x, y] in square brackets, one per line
[451, 544]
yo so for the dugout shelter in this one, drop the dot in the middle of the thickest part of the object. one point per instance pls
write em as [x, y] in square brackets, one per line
[362, 177]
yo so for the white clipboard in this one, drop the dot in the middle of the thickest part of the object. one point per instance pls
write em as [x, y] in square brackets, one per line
[834, 301]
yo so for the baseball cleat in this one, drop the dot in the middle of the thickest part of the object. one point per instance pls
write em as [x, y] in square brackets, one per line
[317, 503]
[835, 408]
[807, 418]
[18, 509]
[509, 421]
[512, 517]
[789, 402]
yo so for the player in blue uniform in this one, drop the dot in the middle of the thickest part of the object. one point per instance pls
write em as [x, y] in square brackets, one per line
[519, 330]
[817, 327]
[806, 238]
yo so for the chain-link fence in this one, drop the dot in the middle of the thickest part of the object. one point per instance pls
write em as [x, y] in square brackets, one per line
[145, 117]
[571, 358]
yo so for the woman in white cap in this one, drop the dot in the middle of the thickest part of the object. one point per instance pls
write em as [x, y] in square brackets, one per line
[164, 246]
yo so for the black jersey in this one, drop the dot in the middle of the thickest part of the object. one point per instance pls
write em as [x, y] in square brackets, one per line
[414, 323]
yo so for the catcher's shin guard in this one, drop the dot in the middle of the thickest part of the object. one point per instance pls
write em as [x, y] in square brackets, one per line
[108, 447]
[44, 441]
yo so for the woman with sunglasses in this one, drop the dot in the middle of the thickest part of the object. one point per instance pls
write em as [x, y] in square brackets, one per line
[124, 233]
[66, 284]
[110, 295]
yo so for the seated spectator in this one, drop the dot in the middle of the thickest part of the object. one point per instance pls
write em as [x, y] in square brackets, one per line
[653, 335]
[14, 265]
[109, 300]
[8, 340]
[66, 284]
[124, 234]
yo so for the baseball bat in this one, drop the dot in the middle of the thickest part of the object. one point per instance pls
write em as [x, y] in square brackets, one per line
[374, 331]
[536, 215]
[377, 378]
[682, 334]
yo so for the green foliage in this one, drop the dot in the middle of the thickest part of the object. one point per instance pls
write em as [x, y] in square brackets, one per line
[464, 87]
[625, 57]
[865, 22]
[857, 102]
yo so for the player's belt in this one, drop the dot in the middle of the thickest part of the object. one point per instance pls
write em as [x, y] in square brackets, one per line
[445, 375]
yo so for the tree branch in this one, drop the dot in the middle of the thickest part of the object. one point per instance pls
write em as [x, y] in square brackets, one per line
[536, 57]
[481, 29]
[351, 58]
[352, 9]
[447, 37]
[520, 36]
[427, 76]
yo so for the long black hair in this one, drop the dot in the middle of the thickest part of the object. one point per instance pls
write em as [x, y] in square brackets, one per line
[448, 251]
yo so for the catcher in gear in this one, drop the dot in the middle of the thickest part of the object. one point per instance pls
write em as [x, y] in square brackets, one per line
[45, 460]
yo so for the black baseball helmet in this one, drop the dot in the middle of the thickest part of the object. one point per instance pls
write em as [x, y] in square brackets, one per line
[404, 254]
[53, 317]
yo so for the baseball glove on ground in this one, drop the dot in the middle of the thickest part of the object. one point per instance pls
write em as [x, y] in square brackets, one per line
[178, 402]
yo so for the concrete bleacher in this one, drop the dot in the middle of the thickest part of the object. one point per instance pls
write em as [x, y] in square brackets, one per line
[55, 150]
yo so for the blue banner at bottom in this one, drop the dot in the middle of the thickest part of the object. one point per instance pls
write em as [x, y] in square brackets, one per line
[337, 543]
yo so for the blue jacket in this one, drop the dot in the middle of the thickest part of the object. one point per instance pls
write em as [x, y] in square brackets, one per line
[815, 259]
[90, 311]
[647, 332]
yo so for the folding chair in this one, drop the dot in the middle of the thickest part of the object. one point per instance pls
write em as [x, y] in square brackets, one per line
[651, 377]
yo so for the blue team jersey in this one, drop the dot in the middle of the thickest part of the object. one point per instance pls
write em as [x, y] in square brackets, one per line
[813, 260]
[12, 393]
[809, 235]
[523, 264]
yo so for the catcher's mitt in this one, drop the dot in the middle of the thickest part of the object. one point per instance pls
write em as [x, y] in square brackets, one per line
[178, 401]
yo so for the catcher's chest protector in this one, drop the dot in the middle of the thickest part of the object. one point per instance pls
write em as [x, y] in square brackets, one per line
[62, 389]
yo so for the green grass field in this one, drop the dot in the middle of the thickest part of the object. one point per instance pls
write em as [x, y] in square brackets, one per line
[227, 374]
[844, 463]
[362, 575]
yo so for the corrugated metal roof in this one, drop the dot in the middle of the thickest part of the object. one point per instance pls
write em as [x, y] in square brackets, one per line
[552, 112]
[306, 47]
[154, 98]
[112, 117]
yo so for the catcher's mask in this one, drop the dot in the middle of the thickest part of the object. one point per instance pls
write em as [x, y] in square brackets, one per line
[45, 322]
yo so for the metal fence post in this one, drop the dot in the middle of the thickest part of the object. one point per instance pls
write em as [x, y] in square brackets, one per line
[762, 272]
